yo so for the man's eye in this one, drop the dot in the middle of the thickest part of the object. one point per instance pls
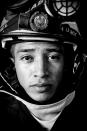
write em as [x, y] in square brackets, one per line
[55, 57]
[27, 58]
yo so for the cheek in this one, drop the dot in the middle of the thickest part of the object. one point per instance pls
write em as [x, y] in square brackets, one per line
[21, 74]
[24, 74]
[57, 71]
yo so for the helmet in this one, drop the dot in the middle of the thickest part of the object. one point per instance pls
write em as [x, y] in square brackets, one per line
[35, 24]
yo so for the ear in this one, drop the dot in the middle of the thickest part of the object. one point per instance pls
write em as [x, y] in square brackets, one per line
[13, 62]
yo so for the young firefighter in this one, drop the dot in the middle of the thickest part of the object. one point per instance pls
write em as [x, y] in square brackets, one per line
[38, 72]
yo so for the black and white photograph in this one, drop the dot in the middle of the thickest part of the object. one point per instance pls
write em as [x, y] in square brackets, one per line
[43, 65]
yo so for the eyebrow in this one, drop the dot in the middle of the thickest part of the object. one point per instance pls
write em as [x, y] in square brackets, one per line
[54, 50]
[25, 50]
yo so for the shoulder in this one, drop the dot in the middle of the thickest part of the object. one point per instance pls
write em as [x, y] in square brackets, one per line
[73, 117]
[12, 112]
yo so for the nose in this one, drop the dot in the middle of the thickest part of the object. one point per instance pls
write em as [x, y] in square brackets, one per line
[41, 68]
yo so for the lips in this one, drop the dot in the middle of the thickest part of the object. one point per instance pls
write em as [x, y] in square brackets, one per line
[42, 87]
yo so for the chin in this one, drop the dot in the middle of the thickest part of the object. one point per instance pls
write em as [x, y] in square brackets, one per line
[42, 99]
[40, 96]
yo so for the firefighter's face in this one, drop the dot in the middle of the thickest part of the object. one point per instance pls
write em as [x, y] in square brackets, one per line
[39, 67]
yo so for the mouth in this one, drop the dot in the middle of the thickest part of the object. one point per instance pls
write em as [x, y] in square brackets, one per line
[44, 87]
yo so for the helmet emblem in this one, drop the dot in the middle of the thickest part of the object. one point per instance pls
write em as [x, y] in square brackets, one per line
[38, 21]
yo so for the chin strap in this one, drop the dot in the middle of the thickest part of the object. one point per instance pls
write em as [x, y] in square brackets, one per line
[6, 85]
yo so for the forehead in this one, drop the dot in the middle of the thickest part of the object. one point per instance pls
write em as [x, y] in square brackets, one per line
[35, 46]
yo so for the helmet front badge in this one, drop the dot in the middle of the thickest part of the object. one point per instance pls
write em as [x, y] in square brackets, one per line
[39, 21]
